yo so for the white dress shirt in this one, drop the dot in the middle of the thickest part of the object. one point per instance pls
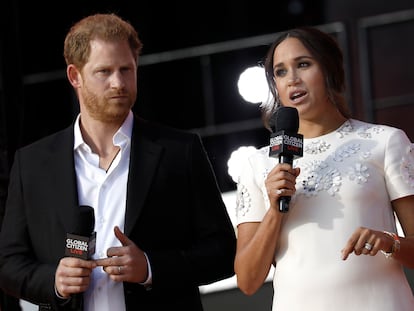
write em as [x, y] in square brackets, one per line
[105, 191]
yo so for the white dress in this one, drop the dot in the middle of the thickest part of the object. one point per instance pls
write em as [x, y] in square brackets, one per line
[347, 180]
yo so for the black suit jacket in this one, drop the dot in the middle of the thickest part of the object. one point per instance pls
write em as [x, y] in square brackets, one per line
[174, 212]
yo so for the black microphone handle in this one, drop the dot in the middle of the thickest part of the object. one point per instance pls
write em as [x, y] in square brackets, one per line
[76, 302]
[83, 227]
[285, 200]
[284, 204]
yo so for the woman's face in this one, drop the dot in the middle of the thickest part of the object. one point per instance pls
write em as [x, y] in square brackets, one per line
[299, 79]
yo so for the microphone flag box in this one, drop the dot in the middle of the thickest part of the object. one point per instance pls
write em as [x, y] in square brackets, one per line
[80, 246]
[286, 143]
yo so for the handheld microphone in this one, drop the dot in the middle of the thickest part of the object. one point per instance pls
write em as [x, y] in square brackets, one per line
[285, 142]
[81, 242]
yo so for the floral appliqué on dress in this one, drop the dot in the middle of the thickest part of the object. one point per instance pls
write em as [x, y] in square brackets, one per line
[407, 166]
[320, 175]
[243, 200]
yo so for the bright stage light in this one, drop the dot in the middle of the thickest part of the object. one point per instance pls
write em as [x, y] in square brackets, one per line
[237, 160]
[252, 85]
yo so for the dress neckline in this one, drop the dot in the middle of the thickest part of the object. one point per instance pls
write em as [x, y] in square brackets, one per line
[346, 126]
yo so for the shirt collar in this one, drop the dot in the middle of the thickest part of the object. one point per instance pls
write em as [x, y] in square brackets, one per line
[123, 135]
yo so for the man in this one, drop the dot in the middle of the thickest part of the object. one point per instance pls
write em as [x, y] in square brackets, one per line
[162, 227]
[7, 302]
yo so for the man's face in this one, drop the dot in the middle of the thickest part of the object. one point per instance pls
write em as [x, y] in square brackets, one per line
[109, 81]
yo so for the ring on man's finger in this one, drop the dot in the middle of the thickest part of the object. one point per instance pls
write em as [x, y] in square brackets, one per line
[280, 191]
[368, 246]
[119, 269]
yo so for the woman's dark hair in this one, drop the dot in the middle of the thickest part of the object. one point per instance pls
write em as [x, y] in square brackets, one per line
[324, 48]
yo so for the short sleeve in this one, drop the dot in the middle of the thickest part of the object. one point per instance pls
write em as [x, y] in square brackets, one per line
[252, 201]
[399, 165]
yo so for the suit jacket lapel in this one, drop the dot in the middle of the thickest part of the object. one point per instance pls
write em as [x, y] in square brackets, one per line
[65, 188]
[144, 159]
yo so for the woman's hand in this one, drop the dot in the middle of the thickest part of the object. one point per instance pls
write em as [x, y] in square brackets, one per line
[365, 241]
[280, 182]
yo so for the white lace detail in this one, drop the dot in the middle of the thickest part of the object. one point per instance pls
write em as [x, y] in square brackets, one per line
[319, 176]
[243, 200]
[359, 173]
[368, 130]
[315, 147]
[346, 152]
[323, 176]
[345, 129]
[407, 166]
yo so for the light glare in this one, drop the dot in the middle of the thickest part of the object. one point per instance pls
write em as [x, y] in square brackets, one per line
[237, 160]
[252, 85]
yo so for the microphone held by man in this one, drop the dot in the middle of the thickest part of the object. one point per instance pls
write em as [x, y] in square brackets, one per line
[81, 242]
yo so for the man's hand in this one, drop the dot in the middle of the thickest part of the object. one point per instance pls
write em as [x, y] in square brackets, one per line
[126, 263]
[73, 276]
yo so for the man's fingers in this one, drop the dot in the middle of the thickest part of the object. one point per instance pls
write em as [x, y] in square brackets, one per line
[122, 237]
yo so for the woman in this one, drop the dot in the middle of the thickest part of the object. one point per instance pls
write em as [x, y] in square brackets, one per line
[351, 181]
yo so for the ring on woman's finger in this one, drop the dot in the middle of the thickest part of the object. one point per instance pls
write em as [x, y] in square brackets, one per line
[280, 191]
[368, 246]
[119, 269]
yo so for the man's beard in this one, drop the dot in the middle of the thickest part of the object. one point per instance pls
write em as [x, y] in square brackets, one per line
[102, 110]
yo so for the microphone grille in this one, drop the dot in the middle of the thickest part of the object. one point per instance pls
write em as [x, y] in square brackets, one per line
[86, 221]
[287, 119]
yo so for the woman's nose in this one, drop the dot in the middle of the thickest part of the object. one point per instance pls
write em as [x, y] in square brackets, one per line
[293, 79]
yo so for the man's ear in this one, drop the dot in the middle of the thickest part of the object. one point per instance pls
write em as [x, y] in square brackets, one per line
[73, 75]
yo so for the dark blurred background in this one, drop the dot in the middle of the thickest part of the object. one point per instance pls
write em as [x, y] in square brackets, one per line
[193, 55]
